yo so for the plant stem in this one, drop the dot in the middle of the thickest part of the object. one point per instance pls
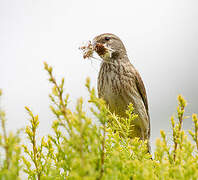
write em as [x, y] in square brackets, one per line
[35, 151]
[179, 130]
[6, 146]
[103, 152]
[195, 120]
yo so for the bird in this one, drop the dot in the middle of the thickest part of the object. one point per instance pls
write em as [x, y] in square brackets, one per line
[120, 84]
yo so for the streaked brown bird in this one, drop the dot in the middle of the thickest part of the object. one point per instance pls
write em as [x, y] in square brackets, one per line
[119, 83]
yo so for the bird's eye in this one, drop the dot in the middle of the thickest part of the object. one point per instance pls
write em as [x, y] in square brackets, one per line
[107, 38]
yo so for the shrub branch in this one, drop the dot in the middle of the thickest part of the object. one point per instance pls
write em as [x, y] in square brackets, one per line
[6, 145]
[177, 131]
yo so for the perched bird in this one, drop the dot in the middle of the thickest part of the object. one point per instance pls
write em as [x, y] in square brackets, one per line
[119, 83]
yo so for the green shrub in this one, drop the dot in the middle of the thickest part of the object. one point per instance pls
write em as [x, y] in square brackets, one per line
[82, 149]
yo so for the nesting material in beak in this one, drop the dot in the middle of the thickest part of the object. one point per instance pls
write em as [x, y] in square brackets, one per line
[104, 52]
[100, 49]
[88, 50]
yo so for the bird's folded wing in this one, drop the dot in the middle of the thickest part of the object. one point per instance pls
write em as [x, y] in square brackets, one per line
[142, 90]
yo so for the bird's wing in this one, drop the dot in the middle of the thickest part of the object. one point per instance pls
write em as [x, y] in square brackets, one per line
[142, 90]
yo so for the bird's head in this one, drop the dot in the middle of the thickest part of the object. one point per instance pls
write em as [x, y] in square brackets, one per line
[109, 46]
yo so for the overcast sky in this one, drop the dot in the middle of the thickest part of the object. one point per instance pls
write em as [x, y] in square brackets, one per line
[161, 38]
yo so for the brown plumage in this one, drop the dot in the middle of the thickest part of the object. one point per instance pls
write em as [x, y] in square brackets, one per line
[119, 84]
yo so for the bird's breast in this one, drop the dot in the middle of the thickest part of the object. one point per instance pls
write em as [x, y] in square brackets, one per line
[116, 87]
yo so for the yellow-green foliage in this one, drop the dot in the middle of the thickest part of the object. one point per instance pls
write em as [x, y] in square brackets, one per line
[79, 148]
[10, 151]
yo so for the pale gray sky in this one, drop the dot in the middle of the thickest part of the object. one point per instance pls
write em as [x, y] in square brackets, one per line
[161, 38]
